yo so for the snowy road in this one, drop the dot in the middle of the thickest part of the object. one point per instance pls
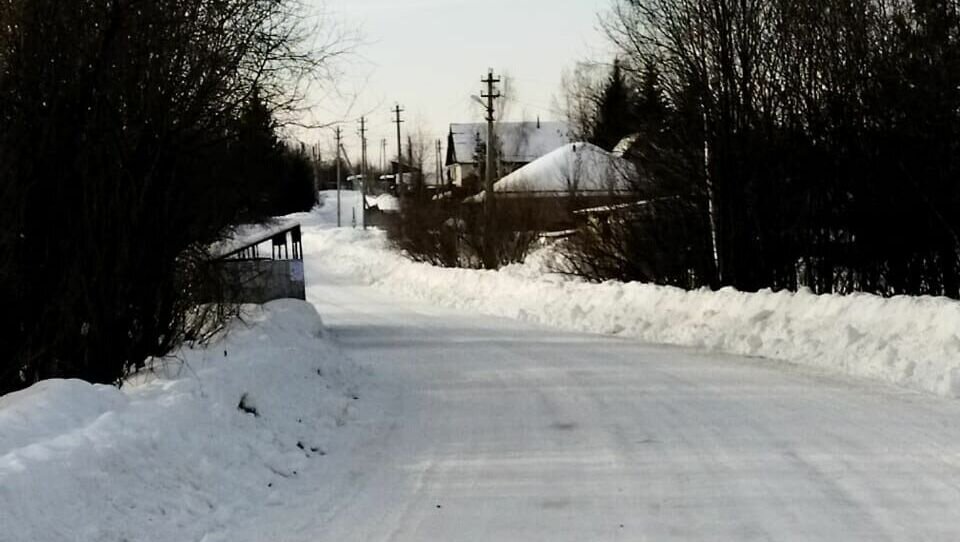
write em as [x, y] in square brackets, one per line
[493, 429]
[454, 426]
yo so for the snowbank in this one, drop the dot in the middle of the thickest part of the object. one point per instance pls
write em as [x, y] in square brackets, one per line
[907, 341]
[173, 456]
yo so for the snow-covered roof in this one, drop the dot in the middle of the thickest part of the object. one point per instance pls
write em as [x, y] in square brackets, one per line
[519, 142]
[405, 178]
[384, 202]
[577, 166]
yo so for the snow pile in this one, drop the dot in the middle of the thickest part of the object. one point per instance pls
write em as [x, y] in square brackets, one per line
[183, 453]
[910, 342]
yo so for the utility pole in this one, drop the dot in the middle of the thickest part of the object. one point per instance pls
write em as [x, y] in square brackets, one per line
[399, 176]
[339, 137]
[363, 168]
[383, 153]
[488, 200]
[416, 177]
[439, 180]
[317, 162]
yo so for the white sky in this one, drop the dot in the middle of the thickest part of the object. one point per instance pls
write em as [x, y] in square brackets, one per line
[429, 56]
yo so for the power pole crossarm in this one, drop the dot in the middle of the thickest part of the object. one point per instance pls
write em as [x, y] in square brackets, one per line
[490, 95]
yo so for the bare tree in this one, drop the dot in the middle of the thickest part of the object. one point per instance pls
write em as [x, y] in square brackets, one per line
[120, 153]
[796, 126]
[580, 101]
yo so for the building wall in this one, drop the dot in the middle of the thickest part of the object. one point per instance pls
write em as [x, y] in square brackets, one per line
[553, 213]
[467, 176]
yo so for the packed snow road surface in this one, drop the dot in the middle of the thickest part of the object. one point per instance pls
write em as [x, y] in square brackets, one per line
[492, 429]
[392, 419]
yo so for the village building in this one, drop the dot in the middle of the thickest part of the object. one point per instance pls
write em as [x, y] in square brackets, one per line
[518, 144]
[555, 186]
[576, 169]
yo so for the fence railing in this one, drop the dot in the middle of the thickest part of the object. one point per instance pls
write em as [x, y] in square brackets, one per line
[280, 241]
[248, 277]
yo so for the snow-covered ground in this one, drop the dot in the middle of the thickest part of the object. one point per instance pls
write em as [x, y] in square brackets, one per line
[351, 210]
[498, 429]
[410, 416]
[507, 429]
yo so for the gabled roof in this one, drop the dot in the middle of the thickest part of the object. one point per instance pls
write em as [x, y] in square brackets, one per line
[579, 167]
[519, 142]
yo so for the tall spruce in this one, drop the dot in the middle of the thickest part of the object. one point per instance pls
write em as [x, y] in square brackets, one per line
[614, 111]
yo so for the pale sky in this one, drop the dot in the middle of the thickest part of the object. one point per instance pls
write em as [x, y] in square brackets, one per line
[429, 56]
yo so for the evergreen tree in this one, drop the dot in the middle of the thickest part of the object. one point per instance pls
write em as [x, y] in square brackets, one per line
[272, 179]
[650, 110]
[258, 157]
[614, 112]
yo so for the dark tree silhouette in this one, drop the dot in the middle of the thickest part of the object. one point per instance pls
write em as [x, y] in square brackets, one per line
[817, 139]
[118, 167]
[614, 112]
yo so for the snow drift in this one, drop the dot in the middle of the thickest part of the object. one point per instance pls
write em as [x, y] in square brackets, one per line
[907, 341]
[181, 455]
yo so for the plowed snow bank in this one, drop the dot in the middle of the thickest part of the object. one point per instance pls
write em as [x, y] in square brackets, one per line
[908, 341]
[173, 457]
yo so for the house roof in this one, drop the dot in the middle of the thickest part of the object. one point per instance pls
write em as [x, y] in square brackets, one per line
[575, 167]
[519, 142]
